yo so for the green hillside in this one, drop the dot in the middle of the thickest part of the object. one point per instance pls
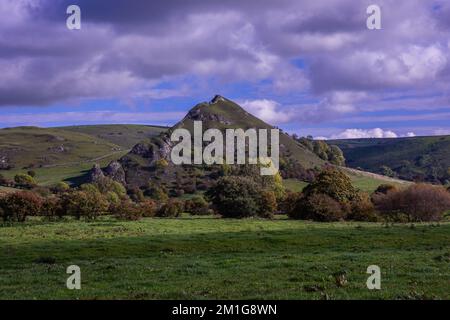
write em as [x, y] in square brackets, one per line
[66, 153]
[222, 113]
[417, 158]
[124, 135]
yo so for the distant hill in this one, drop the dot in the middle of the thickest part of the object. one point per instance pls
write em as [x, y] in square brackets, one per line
[415, 159]
[124, 135]
[65, 152]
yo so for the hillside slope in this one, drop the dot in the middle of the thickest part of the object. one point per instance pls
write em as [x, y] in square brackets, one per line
[124, 135]
[416, 158]
[66, 153]
[220, 113]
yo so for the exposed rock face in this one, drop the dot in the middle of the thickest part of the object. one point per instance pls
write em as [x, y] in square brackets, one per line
[157, 149]
[95, 174]
[115, 171]
[197, 114]
[4, 163]
[58, 149]
[142, 150]
[216, 99]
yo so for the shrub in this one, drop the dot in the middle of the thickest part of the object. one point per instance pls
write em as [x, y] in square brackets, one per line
[148, 208]
[318, 207]
[289, 202]
[386, 188]
[362, 209]
[3, 180]
[161, 164]
[18, 205]
[24, 181]
[157, 193]
[136, 194]
[31, 173]
[419, 202]
[60, 187]
[79, 204]
[197, 206]
[235, 197]
[105, 184]
[51, 208]
[268, 204]
[127, 210]
[173, 208]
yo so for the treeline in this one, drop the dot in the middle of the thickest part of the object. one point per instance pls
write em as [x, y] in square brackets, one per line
[331, 153]
[239, 193]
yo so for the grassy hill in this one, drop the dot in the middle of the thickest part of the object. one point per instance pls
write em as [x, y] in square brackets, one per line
[222, 113]
[66, 153]
[417, 158]
[124, 135]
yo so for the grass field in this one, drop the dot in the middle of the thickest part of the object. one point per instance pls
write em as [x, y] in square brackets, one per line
[210, 258]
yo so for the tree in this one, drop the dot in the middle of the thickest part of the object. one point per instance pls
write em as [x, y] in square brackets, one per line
[84, 204]
[173, 208]
[386, 171]
[336, 156]
[318, 207]
[197, 206]
[23, 180]
[18, 205]
[236, 197]
[268, 205]
[51, 208]
[333, 183]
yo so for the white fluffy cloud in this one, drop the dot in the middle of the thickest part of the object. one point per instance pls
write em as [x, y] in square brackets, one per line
[366, 133]
[267, 110]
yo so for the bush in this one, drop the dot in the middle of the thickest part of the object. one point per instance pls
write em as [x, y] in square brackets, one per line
[60, 187]
[236, 197]
[31, 173]
[362, 209]
[127, 210]
[157, 193]
[136, 194]
[3, 180]
[173, 208]
[289, 202]
[24, 181]
[17, 206]
[268, 205]
[51, 208]
[333, 183]
[386, 188]
[105, 184]
[318, 207]
[148, 208]
[79, 204]
[197, 206]
[419, 202]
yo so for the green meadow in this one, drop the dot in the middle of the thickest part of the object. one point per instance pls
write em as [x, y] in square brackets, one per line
[211, 258]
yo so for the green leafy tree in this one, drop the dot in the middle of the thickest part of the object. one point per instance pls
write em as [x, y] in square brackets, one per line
[235, 196]
[335, 184]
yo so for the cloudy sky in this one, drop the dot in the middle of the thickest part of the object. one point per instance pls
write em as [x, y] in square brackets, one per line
[308, 66]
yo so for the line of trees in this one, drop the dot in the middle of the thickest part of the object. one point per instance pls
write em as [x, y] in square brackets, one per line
[241, 192]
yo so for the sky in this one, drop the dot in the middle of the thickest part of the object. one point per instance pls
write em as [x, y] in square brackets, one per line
[310, 67]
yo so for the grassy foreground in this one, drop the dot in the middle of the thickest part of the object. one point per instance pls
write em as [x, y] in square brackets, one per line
[210, 258]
